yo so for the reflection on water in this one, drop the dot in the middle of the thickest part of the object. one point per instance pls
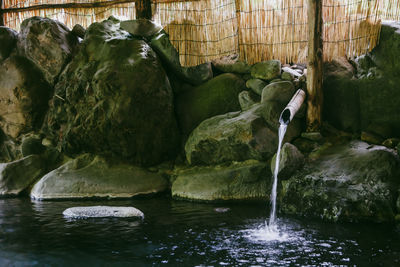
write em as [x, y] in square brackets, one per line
[183, 233]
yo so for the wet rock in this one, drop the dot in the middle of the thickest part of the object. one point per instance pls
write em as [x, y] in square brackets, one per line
[247, 100]
[349, 182]
[217, 96]
[238, 136]
[286, 76]
[391, 142]
[291, 160]
[18, 175]
[23, 96]
[280, 92]
[398, 149]
[49, 44]
[93, 176]
[102, 211]
[114, 98]
[305, 145]
[249, 180]
[78, 31]
[266, 70]
[371, 138]
[256, 85]
[231, 64]
[169, 55]
[8, 41]
[32, 145]
[364, 63]
[312, 136]
[142, 27]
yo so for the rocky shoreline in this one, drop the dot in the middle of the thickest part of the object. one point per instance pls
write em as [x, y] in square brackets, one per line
[108, 111]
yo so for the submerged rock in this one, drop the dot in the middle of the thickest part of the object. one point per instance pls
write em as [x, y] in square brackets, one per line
[350, 182]
[48, 43]
[266, 70]
[93, 176]
[215, 97]
[18, 175]
[249, 180]
[102, 211]
[8, 41]
[114, 97]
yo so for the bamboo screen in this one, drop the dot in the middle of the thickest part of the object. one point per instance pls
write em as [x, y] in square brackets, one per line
[257, 30]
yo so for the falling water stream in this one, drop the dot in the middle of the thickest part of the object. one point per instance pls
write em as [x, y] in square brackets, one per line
[272, 217]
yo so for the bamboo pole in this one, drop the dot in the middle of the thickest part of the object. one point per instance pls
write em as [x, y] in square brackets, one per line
[314, 66]
[67, 5]
[143, 9]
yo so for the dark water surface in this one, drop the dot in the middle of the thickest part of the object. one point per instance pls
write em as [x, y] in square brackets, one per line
[176, 233]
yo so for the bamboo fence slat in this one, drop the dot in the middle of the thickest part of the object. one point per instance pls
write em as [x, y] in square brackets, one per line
[202, 30]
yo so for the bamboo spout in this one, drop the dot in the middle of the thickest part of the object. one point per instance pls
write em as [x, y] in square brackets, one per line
[292, 107]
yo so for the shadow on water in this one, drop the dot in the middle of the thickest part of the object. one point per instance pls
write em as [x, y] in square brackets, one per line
[184, 233]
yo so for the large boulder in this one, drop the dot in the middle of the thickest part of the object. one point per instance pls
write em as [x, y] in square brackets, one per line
[24, 96]
[114, 97]
[47, 43]
[349, 182]
[18, 175]
[93, 176]
[238, 136]
[280, 92]
[231, 64]
[249, 180]
[215, 97]
[8, 41]
[290, 161]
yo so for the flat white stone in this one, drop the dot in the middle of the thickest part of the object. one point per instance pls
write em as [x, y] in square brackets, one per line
[102, 211]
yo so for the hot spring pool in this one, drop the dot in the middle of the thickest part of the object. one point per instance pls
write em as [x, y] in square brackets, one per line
[177, 233]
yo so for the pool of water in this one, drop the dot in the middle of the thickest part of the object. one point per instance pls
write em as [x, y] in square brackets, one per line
[178, 233]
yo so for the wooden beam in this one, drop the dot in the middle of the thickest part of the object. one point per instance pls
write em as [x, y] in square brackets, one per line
[67, 5]
[1, 13]
[143, 9]
[314, 66]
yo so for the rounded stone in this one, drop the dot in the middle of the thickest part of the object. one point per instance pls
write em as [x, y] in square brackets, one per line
[102, 211]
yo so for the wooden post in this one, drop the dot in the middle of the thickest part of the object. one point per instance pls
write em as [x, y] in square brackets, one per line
[143, 9]
[1, 13]
[314, 66]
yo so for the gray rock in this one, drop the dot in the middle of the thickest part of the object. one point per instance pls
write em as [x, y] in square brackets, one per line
[249, 180]
[286, 76]
[169, 55]
[24, 96]
[215, 97]
[141, 27]
[231, 64]
[266, 70]
[292, 72]
[349, 182]
[8, 41]
[238, 136]
[18, 175]
[256, 85]
[363, 63]
[93, 176]
[114, 97]
[291, 160]
[246, 100]
[280, 92]
[391, 142]
[102, 211]
[32, 145]
[47, 43]
[78, 31]
[312, 136]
